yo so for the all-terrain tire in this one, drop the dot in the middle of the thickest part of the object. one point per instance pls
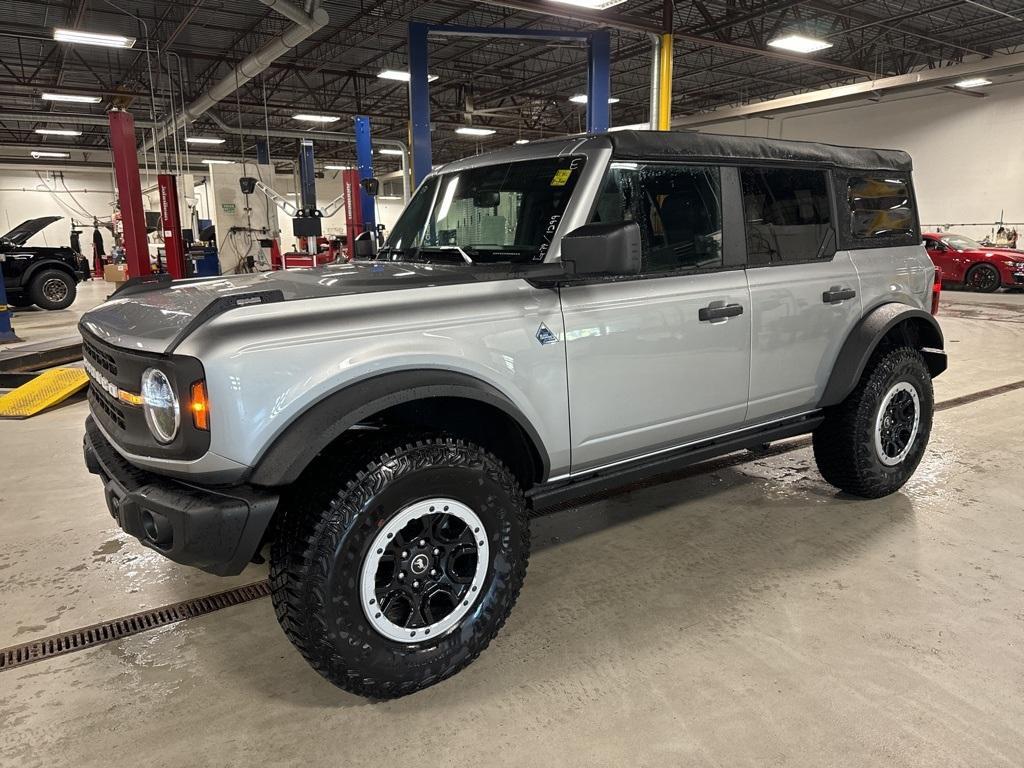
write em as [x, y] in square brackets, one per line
[52, 289]
[319, 550]
[849, 446]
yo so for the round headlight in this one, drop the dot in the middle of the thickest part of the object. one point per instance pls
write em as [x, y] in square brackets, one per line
[160, 404]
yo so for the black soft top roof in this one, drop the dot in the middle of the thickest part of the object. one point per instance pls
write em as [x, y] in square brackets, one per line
[673, 145]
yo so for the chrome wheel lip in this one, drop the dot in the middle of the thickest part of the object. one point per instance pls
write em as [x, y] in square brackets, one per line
[367, 579]
[55, 290]
[899, 387]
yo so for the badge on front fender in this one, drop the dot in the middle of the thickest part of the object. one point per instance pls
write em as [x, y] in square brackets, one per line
[545, 336]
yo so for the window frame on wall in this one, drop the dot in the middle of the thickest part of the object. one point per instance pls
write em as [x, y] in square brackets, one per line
[730, 214]
[847, 239]
[830, 199]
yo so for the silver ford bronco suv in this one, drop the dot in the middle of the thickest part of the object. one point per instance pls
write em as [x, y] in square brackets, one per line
[544, 323]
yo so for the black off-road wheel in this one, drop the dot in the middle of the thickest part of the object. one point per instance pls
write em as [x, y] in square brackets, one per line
[871, 443]
[53, 289]
[983, 278]
[399, 575]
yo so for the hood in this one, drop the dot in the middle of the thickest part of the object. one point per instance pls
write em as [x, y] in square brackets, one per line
[1000, 251]
[28, 229]
[150, 321]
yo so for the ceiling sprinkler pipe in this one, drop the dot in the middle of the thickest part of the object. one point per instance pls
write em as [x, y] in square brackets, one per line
[319, 136]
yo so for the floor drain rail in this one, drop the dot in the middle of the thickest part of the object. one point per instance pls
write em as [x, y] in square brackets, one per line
[955, 402]
[126, 626]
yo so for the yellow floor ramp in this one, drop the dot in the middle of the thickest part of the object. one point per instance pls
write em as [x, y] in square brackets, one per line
[45, 390]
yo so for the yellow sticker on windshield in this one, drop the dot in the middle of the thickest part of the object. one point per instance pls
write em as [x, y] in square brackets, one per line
[561, 177]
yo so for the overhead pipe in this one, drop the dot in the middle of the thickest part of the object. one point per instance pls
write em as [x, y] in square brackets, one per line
[305, 25]
[928, 78]
[60, 117]
[319, 136]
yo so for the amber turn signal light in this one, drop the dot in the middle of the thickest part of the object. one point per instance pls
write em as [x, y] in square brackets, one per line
[200, 406]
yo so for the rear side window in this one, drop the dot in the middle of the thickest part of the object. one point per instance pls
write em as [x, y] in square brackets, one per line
[788, 215]
[880, 207]
[678, 209]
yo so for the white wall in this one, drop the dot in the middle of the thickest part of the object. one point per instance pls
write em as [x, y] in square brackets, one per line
[23, 196]
[968, 152]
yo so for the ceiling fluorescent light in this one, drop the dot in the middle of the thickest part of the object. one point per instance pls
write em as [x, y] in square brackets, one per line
[389, 197]
[71, 97]
[469, 130]
[38, 155]
[522, 141]
[57, 132]
[389, 151]
[596, 5]
[799, 43]
[219, 162]
[973, 82]
[397, 74]
[203, 140]
[92, 38]
[337, 168]
[581, 98]
[307, 118]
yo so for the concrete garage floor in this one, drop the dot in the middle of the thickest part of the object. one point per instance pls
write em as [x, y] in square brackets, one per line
[747, 615]
[37, 325]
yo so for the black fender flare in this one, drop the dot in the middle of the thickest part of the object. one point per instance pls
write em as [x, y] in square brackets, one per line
[34, 269]
[325, 420]
[922, 332]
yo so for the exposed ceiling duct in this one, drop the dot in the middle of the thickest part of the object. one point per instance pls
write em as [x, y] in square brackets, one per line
[305, 25]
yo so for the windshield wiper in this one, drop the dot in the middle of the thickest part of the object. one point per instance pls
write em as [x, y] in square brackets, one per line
[446, 248]
[465, 256]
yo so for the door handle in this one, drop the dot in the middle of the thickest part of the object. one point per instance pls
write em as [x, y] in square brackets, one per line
[719, 312]
[835, 294]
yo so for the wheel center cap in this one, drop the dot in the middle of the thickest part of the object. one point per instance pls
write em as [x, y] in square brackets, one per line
[419, 564]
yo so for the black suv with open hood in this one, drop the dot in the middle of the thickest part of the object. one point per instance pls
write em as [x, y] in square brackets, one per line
[45, 276]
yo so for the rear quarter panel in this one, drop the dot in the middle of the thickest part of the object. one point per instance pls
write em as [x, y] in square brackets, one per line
[894, 274]
[267, 364]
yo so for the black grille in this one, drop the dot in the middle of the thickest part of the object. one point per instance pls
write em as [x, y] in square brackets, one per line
[99, 401]
[100, 358]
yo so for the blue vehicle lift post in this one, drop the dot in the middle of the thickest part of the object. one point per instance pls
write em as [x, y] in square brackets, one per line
[6, 331]
[262, 151]
[598, 77]
[307, 175]
[364, 161]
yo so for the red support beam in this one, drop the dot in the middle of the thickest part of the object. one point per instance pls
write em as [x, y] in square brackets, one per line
[129, 191]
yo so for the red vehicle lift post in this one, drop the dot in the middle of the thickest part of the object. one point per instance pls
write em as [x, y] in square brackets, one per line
[129, 191]
[170, 222]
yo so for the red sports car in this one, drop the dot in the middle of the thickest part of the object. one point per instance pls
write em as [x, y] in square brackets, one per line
[966, 261]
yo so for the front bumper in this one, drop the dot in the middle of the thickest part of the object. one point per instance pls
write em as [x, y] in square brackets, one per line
[1018, 278]
[218, 530]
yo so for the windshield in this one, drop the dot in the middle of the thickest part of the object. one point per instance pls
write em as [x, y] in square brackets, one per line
[492, 214]
[961, 243]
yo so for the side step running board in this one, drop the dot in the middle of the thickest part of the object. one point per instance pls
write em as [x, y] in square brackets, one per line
[602, 481]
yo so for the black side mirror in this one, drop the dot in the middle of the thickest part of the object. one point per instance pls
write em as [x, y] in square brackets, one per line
[603, 249]
[247, 184]
[370, 186]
